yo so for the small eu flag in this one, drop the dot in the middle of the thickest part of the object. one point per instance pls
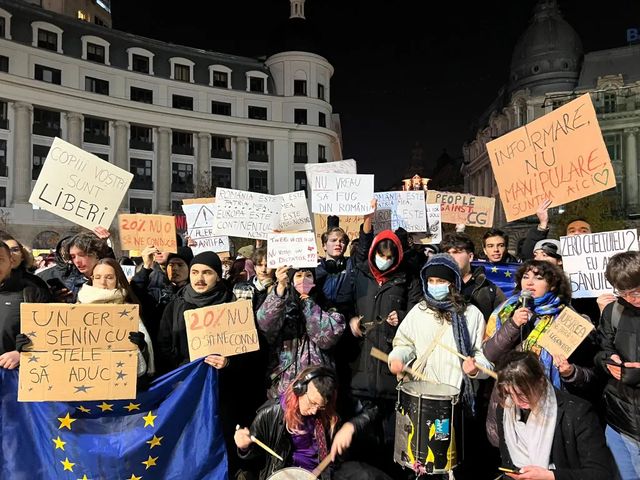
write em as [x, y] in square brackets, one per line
[502, 274]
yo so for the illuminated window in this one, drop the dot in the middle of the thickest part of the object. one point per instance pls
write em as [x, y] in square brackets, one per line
[84, 16]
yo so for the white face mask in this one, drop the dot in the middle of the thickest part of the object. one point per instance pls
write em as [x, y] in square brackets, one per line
[383, 263]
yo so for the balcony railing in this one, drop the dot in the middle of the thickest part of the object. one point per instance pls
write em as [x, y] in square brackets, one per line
[259, 157]
[220, 154]
[300, 159]
[182, 149]
[4, 123]
[46, 130]
[96, 138]
[4, 171]
[142, 183]
[139, 144]
[182, 187]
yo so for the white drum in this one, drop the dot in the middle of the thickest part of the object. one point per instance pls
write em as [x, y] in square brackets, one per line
[292, 473]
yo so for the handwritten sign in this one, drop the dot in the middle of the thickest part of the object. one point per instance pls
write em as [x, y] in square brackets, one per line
[297, 250]
[585, 257]
[338, 194]
[341, 166]
[560, 156]
[461, 208]
[292, 212]
[79, 186]
[78, 352]
[564, 335]
[349, 223]
[404, 209]
[434, 234]
[226, 329]
[200, 220]
[129, 271]
[138, 230]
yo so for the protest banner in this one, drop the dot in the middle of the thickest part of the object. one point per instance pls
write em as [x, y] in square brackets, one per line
[434, 235]
[297, 250]
[349, 223]
[226, 329]
[139, 230]
[78, 352]
[462, 208]
[585, 258]
[404, 209]
[293, 212]
[341, 166]
[565, 333]
[79, 186]
[200, 220]
[340, 194]
[560, 156]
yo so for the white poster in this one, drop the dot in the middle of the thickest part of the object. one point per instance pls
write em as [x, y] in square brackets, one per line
[292, 212]
[339, 194]
[200, 220]
[434, 233]
[404, 209]
[297, 250]
[341, 166]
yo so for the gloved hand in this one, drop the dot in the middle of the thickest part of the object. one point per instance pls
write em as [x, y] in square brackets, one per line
[22, 341]
[137, 338]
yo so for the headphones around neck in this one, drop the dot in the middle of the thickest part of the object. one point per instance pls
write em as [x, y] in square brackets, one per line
[335, 266]
[300, 386]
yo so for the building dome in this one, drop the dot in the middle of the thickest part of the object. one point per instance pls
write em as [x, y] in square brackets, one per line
[547, 56]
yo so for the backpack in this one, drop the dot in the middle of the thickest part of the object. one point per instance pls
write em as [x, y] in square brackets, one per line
[616, 314]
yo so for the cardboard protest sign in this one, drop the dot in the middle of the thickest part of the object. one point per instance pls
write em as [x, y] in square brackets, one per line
[349, 223]
[339, 194]
[79, 186]
[293, 212]
[297, 250]
[585, 258]
[200, 220]
[566, 332]
[139, 230]
[462, 208]
[560, 156]
[341, 166]
[404, 209]
[78, 352]
[434, 235]
[226, 329]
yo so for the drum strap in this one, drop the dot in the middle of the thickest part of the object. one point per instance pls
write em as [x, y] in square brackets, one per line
[421, 362]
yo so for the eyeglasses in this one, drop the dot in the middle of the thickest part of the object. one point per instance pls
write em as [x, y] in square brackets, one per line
[633, 293]
[317, 406]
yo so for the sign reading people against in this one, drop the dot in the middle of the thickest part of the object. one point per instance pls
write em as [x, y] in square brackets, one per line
[226, 329]
[139, 230]
[78, 352]
[585, 257]
[297, 250]
[79, 186]
[201, 215]
[462, 208]
[349, 223]
[560, 156]
[565, 333]
[255, 215]
[434, 233]
[340, 194]
[404, 209]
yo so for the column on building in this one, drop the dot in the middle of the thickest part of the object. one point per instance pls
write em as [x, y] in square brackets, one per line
[121, 153]
[202, 178]
[487, 181]
[282, 166]
[74, 128]
[631, 169]
[21, 171]
[242, 165]
[163, 189]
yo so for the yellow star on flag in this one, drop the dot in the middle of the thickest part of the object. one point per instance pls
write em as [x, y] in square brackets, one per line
[84, 477]
[133, 477]
[494, 269]
[105, 406]
[507, 274]
[150, 462]
[148, 419]
[59, 443]
[132, 406]
[67, 464]
[66, 421]
[154, 442]
[83, 409]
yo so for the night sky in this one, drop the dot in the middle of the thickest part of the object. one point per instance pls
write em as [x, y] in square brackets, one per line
[404, 73]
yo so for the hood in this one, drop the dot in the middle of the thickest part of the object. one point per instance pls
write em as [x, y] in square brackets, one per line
[382, 277]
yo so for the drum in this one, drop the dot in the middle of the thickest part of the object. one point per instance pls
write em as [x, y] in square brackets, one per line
[425, 438]
[292, 473]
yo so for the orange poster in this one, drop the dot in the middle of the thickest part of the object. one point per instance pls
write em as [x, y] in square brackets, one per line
[138, 231]
[560, 156]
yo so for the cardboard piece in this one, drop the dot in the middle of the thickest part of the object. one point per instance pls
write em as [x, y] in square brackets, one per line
[79, 186]
[349, 223]
[226, 329]
[297, 250]
[462, 208]
[191, 201]
[340, 194]
[434, 235]
[566, 332]
[78, 352]
[561, 156]
[200, 221]
[342, 166]
[138, 230]
[404, 209]
[585, 258]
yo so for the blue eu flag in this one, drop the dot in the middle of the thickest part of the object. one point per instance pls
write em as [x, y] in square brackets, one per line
[171, 431]
[502, 274]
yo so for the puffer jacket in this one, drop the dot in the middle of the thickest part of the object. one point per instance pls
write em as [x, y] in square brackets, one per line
[621, 397]
[378, 294]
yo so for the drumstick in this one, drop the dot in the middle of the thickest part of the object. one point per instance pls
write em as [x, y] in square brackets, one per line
[380, 355]
[265, 448]
[491, 373]
[320, 468]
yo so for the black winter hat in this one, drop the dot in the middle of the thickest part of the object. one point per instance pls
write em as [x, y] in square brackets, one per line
[211, 259]
[184, 253]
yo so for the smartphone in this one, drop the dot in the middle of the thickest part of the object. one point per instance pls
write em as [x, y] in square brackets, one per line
[508, 470]
[56, 284]
[609, 361]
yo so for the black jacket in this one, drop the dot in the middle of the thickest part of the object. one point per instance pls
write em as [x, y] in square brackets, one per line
[622, 398]
[579, 451]
[482, 292]
[340, 273]
[534, 235]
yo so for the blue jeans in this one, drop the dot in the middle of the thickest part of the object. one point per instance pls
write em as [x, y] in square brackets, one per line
[626, 453]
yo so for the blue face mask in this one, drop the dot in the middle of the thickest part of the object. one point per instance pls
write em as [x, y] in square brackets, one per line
[439, 292]
[383, 263]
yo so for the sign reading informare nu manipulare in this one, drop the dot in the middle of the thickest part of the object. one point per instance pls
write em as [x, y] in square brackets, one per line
[560, 156]
[79, 186]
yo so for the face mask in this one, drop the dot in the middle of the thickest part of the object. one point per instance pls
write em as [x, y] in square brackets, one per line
[439, 292]
[383, 263]
[304, 287]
